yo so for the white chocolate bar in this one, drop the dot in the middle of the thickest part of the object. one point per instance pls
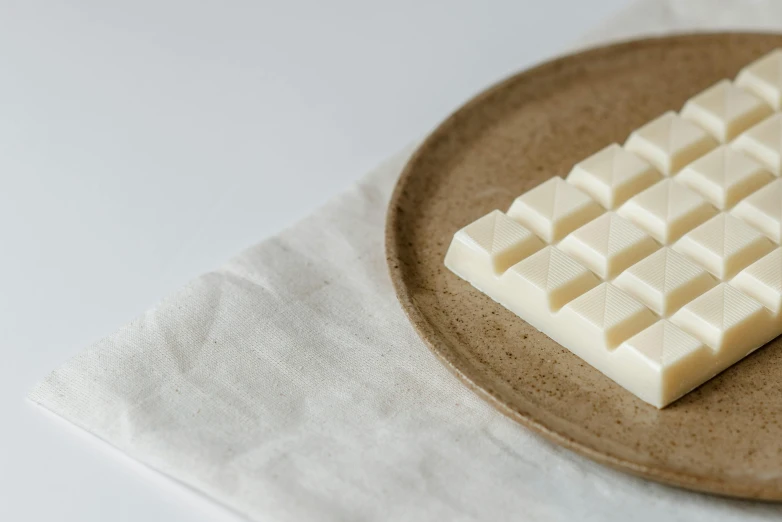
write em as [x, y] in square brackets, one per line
[658, 263]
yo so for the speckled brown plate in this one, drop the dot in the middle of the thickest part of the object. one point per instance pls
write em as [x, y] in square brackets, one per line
[726, 436]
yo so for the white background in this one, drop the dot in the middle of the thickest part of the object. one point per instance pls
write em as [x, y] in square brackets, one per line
[143, 144]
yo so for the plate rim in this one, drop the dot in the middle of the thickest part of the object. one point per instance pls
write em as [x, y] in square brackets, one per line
[427, 333]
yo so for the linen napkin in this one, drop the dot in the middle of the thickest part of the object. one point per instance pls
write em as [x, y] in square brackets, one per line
[288, 384]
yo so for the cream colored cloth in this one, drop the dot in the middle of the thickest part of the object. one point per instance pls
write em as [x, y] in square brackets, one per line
[288, 384]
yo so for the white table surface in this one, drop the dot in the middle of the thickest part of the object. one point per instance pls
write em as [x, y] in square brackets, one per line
[143, 144]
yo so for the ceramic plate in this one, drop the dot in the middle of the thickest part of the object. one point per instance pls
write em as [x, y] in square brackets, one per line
[726, 436]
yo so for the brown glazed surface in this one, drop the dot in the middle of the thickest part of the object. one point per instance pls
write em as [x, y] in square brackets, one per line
[726, 436]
